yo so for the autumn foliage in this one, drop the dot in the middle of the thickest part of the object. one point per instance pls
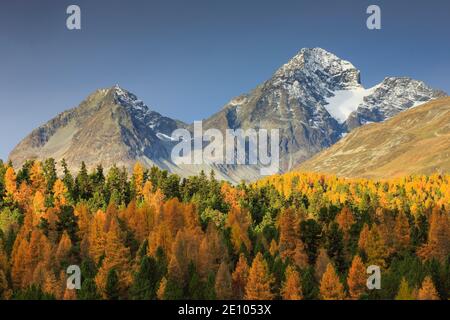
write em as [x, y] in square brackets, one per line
[147, 234]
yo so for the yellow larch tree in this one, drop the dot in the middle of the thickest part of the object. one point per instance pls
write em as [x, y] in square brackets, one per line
[240, 277]
[260, 281]
[292, 288]
[428, 290]
[331, 287]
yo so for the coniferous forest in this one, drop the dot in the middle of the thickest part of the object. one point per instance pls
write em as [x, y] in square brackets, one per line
[152, 235]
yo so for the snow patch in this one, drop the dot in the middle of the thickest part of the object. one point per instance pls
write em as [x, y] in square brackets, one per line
[165, 137]
[345, 102]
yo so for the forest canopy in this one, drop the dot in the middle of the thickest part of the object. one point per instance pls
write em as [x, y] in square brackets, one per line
[153, 235]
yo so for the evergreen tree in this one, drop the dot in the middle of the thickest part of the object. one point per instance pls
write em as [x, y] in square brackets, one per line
[145, 280]
[88, 290]
[112, 286]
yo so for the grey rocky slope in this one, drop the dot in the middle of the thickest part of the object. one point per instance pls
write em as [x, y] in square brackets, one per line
[110, 127]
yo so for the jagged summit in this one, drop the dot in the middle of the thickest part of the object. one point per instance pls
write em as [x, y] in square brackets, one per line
[320, 64]
[390, 97]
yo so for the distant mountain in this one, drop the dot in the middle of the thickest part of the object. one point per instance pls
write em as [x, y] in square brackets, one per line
[416, 141]
[389, 98]
[313, 100]
[110, 127]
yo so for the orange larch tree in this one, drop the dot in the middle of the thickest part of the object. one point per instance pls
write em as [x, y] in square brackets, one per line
[260, 281]
[357, 278]
[117, 257]
[292, 288]
[240, 277]
[402, 232]
[331, 287]
[239, 221]
[438, 245]
[428, 290]
[223, 285]
[321, 265]
[10, 184]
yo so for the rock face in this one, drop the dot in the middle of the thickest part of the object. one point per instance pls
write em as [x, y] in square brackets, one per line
[389, 98]
[293, 101]
[313, 101]
[416, 141]
[110, 127]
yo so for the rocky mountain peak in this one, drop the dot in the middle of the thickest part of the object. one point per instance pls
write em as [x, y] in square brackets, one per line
[320, 66]
[392, 96]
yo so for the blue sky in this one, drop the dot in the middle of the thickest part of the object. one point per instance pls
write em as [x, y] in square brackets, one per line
[187, 58]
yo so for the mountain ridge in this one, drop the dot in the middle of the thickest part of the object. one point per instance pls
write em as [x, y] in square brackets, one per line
[416, 141]
[314, 100]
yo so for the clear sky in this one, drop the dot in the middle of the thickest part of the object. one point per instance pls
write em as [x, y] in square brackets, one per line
[187, 58]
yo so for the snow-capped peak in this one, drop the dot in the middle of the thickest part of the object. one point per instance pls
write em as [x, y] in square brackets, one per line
[321, 62]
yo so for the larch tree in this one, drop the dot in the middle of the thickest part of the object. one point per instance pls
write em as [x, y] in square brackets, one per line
[51, 285]
[117, 258]
[260, 281]
[97, 236]
[404, 291]
[239, 221]
[331, 287]
[20, 261]
[321, 265]
[38, 205]
[288, 235]
[10, 184]
[428, 290]
[376, 249]
[300, 258]
[345, 220]
[292, 288]
[179, 262]
[59, 193]
[438, 245]
[5, 292]
[37, 177]
[223, 283]
[363, 236]
[63, 250]
[357, 278]
[138, 180]
[240, 277]
[161, 289]
[401, 232]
